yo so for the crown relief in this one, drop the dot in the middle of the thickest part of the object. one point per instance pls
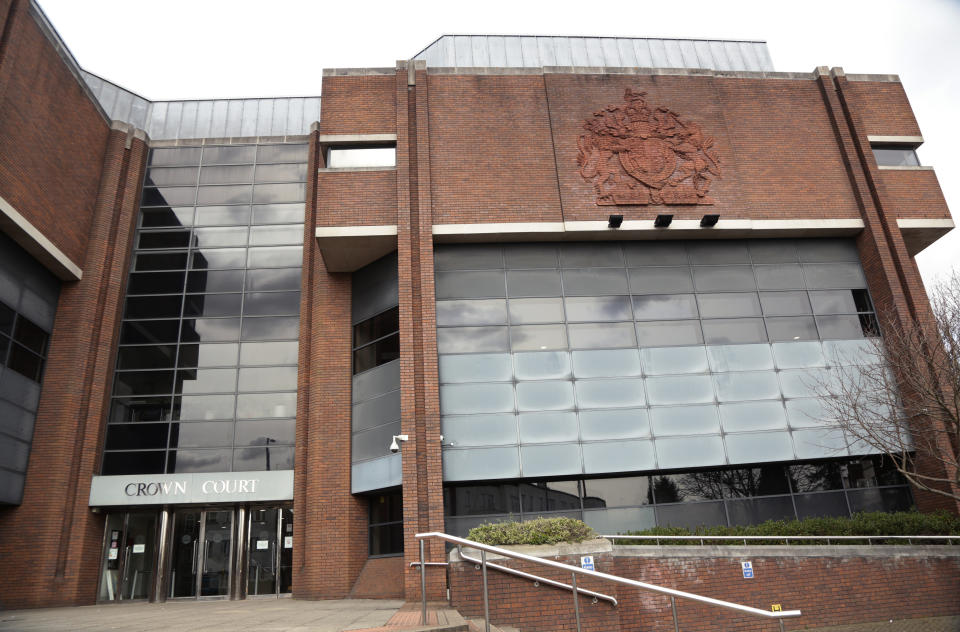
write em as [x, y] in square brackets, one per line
[637, 154]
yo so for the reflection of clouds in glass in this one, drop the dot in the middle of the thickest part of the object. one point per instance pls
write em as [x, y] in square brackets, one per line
[485, 312]
[607, 335]
[468, 339]
[274, 279]
[201, 460]
[266, 405]
[538, 337]
[536, 310]
[207, 407]
[255, 459]
[598, 308]
[210, 329]
[655, 306]
[269, 328]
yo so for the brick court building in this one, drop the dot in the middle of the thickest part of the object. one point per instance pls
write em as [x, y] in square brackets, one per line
[253, 346]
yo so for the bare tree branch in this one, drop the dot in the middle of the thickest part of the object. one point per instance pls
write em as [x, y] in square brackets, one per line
[900, 395]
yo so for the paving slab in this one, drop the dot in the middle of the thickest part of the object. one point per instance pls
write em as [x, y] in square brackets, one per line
[251, 615]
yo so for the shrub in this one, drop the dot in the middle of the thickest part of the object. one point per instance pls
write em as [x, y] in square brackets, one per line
[878, 523]
[539, 531]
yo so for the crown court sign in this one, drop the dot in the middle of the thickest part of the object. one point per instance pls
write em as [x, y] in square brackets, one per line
[210, 487]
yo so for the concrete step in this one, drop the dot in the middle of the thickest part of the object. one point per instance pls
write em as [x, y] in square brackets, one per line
[476, 625]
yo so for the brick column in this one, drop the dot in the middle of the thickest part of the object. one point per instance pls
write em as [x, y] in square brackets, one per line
[51, 543]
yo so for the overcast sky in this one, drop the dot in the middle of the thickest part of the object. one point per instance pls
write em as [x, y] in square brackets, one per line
[176, 49]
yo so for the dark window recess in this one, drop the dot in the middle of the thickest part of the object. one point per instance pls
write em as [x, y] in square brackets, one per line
[27, 352]
[386, 524]
[376, 340]
[895, 156]
[6, 319]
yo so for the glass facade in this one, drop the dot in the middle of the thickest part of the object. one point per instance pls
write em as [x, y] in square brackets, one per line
[594, 358]
[206, 373]
[721, 496]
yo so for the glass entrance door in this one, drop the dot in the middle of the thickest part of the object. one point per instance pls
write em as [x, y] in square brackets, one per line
[129, 556]
[201, 553]
[270, 551]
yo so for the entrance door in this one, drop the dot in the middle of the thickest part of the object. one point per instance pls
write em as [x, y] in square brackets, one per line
[201, 554]
[270, 551]
[129, 556]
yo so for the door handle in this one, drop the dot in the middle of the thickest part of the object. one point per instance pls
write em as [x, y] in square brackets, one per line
[193, 564]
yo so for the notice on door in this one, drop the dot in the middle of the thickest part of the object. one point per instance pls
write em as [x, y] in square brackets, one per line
[263, 544]
[288, 541]
[139, 548]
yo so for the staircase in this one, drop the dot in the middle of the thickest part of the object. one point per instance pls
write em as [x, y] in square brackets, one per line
[440, 618]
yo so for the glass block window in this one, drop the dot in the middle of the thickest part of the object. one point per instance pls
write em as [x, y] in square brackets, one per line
[206, 373]
[642, 355]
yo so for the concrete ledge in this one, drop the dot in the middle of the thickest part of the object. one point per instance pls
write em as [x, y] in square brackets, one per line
[736, 551]
[919, 233]
[590, 547]
[904, 167]
[643, 230]
[349, 248]
[897, 140]
[19, 228]
[326, 139]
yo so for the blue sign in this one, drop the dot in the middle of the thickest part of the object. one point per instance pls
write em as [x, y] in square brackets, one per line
[586, 563]
[747, 569]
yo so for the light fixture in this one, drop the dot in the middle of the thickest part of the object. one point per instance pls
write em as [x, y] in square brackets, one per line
[614, 221]
[662, 221]
[394, 446]
[709, 220]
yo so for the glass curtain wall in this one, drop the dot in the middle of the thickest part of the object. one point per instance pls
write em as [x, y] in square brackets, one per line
[558, 360]
[206, 373]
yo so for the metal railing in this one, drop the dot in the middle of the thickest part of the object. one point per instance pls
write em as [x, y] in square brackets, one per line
[535, 578]
[784, 538]
[574, 571]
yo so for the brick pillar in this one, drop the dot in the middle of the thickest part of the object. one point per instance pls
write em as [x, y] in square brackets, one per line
[330, 524]
[51, 543]
[892, 274]
[419, 399]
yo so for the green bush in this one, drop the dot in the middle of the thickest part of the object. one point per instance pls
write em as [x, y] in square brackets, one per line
[879, 523]
[539, 531]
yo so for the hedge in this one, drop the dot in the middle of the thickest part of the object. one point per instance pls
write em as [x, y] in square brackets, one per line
[878, 523]
[539, 531]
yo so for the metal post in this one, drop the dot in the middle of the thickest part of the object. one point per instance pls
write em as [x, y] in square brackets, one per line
[486, 596]
[673, 606]
[423, 587]
[781, 624]
[576, 598]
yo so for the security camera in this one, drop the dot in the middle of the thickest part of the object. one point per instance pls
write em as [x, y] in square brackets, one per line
[394, 446]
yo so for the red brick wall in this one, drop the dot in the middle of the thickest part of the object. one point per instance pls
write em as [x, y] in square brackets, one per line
[884, 108]
[914, 193]
[361, 104]
[52, 137]
[356, 198]
[381, 578]
[50, 544]
[830, 588]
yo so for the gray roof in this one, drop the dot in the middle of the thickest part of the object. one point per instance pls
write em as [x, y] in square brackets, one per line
[523, 51]
[212, 118]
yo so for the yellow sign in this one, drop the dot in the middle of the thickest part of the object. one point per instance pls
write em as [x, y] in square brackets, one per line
[775, 607]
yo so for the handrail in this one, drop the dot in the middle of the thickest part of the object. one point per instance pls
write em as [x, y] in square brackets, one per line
[786, 538]
[574, 570]
[536, 578]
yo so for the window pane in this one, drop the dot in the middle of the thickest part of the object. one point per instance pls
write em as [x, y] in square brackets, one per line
[896, 156]
[784, 303]
[476, 367]
[277, 213]
[791, 328]
[617, 423]
[223, 215]
[373, 355]
[618, 456]
[751, 447]
[164, 239]
[483, 312]
[472, 339]
[252, 353]
[276, 235]
[597, 308]
[532, 283]
[684, 420]
[817, 250]
[815, 477]
[277, 378]
[716, 252]
[632, 491]
[606, 363]
[352, 157]
[268, 303]
[728, 305]
[476, 398]
[258, 432]
[746, 386]
[697, 451]
[204, 407]
[468, 257]
[535, 310]
[160, 261]
[294, 152]
[833, 275]
[212, 305]
[155, 283]
[538, 337]
[168, 196]
[228, 155]
[593, 336]
[840, 327]
[152, 357]
[175, 156]
[193, 381]
[660, 280]
[210, 330]
[733, 331]
[680, 390]
[723, 278]
[275, 279]
[181, 461]
[594, 282]
[136, 437]
[116, 463]
[25, 362]
[218, 258]
[588, 255]
[553, 395]
[755, 511]
[610, 393]
[520, 256]
[140, 409]
[270, 193]
[213, 434]
[149, 331]
[224, 194]
[475, 430]
[472, 284]
[207, 355]
[154, 307]
[780, 277]
[816, 505]
[175, 217]
[664, 306]
[767, 415]
[226, 175]
[772, 250]
[798, 355]
[661, 361]
[661, 333]
[740, 358]
[549, 365]
[652, 253]
[282, 173]
[143, 382]
[265, 405]
[277, 257]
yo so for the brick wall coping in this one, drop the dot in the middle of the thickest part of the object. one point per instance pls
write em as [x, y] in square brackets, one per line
[681, 72]
[605, 547]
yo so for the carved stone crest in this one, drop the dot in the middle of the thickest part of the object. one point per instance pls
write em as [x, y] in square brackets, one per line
[637, 154]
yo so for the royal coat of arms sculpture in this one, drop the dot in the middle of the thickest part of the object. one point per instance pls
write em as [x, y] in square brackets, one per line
[637, 154]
